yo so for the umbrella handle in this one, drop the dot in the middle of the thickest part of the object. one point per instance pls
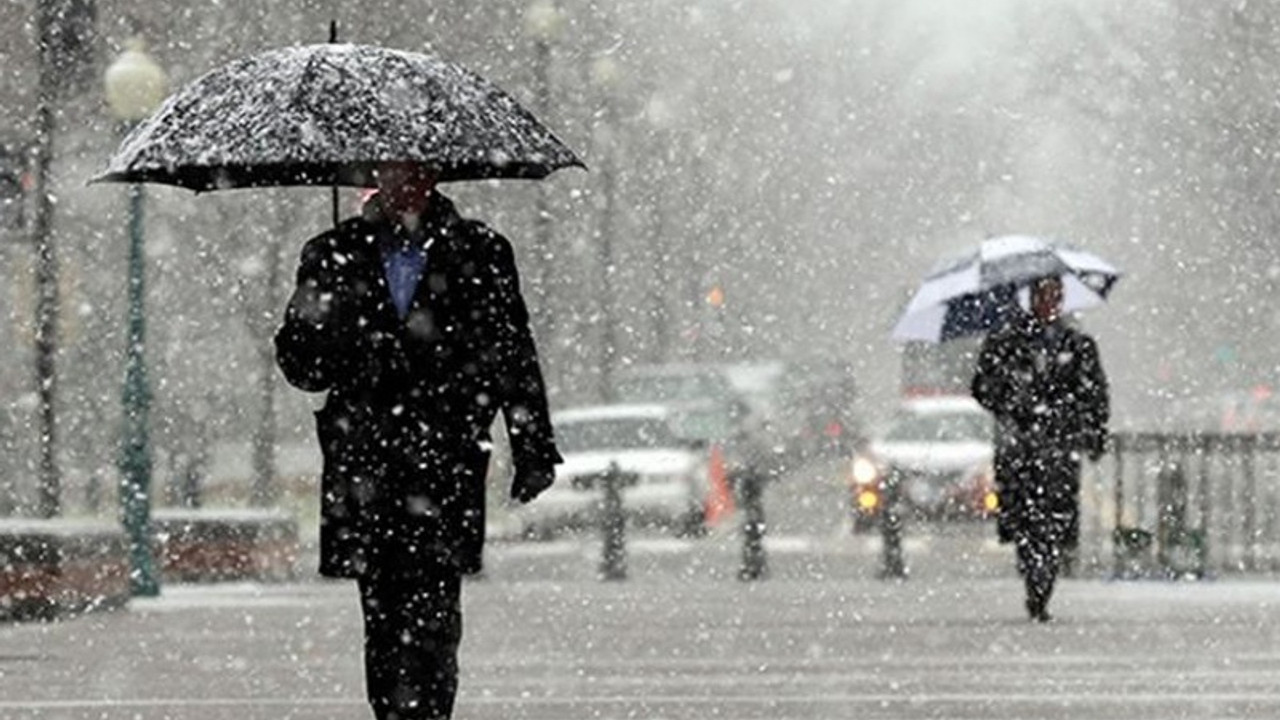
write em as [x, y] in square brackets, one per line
[333, 38]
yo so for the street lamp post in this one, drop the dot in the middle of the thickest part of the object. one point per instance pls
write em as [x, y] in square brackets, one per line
[604, 73]
[134, 86]
[542, 24]
[661, 116]
[49, 503]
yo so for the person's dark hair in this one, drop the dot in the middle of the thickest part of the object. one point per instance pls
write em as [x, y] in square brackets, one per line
[1046, 282]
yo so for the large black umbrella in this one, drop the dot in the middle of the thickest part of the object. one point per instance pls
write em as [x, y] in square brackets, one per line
[326, 115]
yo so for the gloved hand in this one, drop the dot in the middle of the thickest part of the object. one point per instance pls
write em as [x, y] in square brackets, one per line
[1096, 446]
[314, 300]
[529, 482]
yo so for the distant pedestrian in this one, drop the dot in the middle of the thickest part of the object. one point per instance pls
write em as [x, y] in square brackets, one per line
[1043, 381]
[411, 318]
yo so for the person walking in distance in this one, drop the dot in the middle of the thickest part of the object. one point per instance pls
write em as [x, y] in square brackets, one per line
[1043, 381]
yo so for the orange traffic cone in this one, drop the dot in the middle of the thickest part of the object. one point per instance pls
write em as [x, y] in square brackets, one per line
[719, 502]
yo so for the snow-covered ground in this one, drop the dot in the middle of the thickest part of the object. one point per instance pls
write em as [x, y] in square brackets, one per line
[544, 639]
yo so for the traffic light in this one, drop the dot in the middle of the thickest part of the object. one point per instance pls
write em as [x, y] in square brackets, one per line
[715, 297]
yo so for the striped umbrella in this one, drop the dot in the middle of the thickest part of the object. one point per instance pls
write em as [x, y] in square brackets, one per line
[981, 290]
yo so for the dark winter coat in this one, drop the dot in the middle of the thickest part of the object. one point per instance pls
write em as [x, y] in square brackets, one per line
[404, 430]
[1046, 388]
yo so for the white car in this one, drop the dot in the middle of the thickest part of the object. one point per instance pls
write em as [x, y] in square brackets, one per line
[668, 474]
[939, 452]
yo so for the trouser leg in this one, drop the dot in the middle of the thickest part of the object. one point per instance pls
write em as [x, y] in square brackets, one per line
[1037, 561]
[1067, 525]
[1038, 579]
[412, 631]
[1038, 564]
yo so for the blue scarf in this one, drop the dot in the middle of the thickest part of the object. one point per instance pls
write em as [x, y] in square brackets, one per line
[403, 264]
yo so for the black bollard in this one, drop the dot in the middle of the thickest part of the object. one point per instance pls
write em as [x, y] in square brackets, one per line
[891, 531]
[751, 495]
[613, 564]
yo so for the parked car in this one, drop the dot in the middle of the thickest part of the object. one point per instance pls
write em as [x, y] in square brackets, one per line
[667, 469]
[813, 411]
[708, 410]
[938, 451]
[689, 384]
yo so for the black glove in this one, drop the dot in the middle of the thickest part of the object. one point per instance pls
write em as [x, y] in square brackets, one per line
[529, 482]
[1096, 446]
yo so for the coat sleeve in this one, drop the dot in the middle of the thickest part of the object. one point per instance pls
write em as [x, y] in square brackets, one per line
[519, 377]
[1095, 401]
[989, 385]
[308, 344]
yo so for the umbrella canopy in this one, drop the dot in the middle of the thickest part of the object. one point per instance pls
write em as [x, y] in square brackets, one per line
[326, 115]
[980, 291]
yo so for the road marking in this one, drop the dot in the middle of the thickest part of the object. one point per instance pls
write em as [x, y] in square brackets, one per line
[550, 548]
[179, 597]
[1039, 699]
[788, 544]
[797, 544]
[659, 546]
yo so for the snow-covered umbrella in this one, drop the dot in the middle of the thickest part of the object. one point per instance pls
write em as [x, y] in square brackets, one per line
[980, 291]
[326, 114]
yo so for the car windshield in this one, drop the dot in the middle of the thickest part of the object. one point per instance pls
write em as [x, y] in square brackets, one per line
[673, 388]
[614, 434]
[702, 424]
[941, 427]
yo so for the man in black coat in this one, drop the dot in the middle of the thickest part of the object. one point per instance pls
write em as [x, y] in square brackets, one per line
[1043, 381]
[411, 318]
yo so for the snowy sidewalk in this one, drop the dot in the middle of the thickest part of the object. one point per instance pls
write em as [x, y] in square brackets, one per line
[668, 647]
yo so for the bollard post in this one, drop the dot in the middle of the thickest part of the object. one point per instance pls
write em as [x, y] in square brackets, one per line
[1171, 520]
[613, 564]
[1248, 447]
[891, 531]
[754, 561]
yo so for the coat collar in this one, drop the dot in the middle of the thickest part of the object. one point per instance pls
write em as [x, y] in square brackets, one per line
[442, 227]
[440, 220]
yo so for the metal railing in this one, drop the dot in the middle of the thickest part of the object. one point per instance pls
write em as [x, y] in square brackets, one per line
[1162, 504]
[1159, 504]
[1192, 503]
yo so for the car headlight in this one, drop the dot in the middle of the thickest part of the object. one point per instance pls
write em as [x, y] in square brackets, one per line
[865, 470]
[991, 501]
[982, 486]
[868, 500]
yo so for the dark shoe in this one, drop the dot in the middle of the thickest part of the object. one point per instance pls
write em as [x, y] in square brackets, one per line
[1037, 610]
